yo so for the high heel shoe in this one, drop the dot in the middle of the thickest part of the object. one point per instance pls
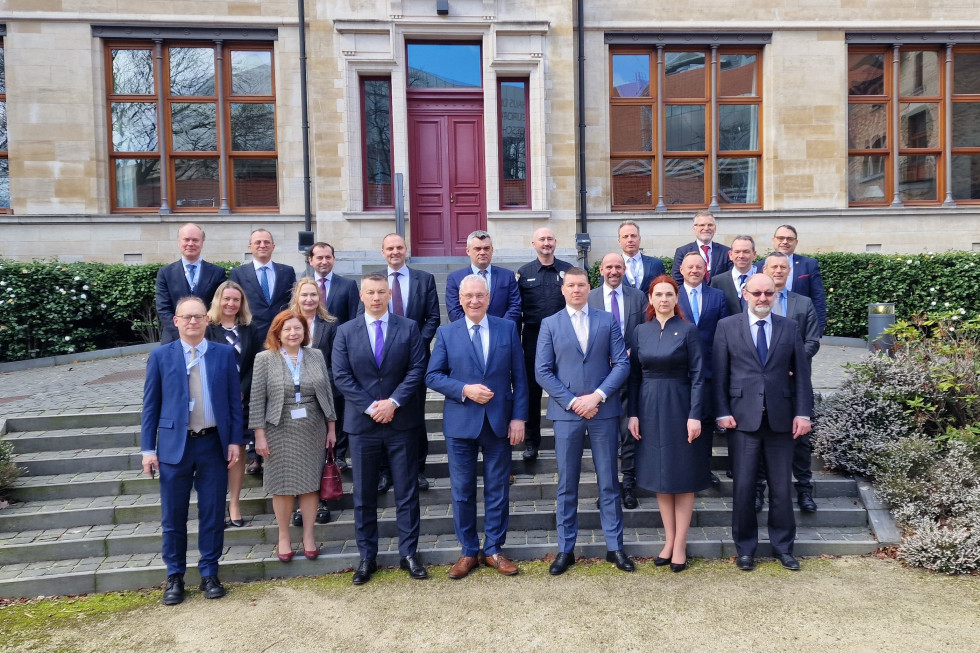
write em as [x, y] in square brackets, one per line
[660, 562]
[678, 567]
[285, 557]
[312, 555]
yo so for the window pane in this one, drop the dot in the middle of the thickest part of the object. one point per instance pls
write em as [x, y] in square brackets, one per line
[966, 177]
[738, 75]
[4, 184]
[137, 183]
[132, 72]
[196, 181]
[632, 181]
[194, 127]
[867, 126]
[866, 178]
[631, 128]
[919, 73]
[251, 73]
[377, 136]
[3, 72]
[685, 75]
[631, 75]
[444, 65]
[134, 126]
[919, 125]
[738, 127]
[3, 125]
[738, 181]
[253, 127]
[513, 144]
[966, 120]
[966, 72]
[685, 127]
[866, 74]
[255, 182]
[917, 178]
[192, 71]
[684, 181]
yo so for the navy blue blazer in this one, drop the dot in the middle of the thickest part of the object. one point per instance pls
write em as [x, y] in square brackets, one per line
[454, 364]
[808, 282]
[423, 304]
[713, 308]
[264, 311]
[652, 268]
[172, 286]
[166, 398]
[505, 296]
[400, 376]
[720, 262]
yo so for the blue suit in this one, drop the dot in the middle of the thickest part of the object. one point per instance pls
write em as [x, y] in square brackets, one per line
[720, 262]
[172, 286]
[652, 268]
[807, 281]
[263, 310]
[713, 308]
[187, 462]
[505, 296]
[567, 372]
[471, 426]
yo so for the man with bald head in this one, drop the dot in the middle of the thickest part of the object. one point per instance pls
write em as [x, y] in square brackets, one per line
[268, 285]
[191, 276]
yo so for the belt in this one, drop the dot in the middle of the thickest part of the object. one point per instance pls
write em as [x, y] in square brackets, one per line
[203, 432]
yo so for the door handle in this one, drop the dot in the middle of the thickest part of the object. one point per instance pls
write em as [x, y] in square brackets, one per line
[451, 199]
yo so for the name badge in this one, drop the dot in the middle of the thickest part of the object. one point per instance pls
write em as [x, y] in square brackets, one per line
[190, 406]
[297, 413]
[298, 397]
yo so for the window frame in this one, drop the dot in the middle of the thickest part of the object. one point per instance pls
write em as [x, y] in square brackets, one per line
[362, 90]
[526, 80]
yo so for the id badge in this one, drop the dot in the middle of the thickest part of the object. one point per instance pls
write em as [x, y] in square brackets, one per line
[190, 406]
[297, 413]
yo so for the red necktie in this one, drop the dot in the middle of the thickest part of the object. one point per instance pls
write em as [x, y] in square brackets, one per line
[707, 263]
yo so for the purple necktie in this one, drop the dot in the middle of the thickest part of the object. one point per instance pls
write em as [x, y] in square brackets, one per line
[614, 306]
[379, 342]
[397, 305]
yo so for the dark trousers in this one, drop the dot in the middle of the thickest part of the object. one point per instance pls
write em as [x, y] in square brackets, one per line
[367, 451]
[204, 468]
[342, 448]
[532, 429]
[802, 467]
[747, 450]
[627, 445]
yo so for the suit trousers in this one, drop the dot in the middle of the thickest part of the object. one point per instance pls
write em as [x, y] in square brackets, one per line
[747, 449]
[204, 468]
[342, 448]
[496, 489]
[532, 429]
[802, 466]
[367, 450]
[627, 446]
[569, 446]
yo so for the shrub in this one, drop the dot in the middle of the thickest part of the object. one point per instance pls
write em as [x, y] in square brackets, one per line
[942, 549]
[9, 472]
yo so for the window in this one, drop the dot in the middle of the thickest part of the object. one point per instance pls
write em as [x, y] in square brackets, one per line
[444, 65]
[376, 108]
[4, 164]
[192, 126]
[515, 192]
[684, 127]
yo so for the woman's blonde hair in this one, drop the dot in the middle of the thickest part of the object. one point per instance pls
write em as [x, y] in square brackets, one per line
[321, 311]
[244, 316]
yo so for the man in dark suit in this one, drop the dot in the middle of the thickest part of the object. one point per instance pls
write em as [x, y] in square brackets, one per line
[268, 286]
[764, 396]
[640, 268]
[191, 276]
[379, 366]
[715, 255]
[478, 364]
[804, 272]
[742, 255]
[582, 364]
[191, 431]
[505, 297]
[628, 306]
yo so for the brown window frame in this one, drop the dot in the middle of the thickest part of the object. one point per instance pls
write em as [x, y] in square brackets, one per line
[526, 204]
[365, 173]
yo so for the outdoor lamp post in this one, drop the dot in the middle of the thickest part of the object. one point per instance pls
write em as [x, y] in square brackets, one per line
[880, 317]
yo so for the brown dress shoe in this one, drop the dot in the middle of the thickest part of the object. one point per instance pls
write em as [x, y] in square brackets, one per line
[499, 562]
[463, 566]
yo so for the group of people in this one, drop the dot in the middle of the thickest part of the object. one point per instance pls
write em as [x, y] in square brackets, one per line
[264, 373]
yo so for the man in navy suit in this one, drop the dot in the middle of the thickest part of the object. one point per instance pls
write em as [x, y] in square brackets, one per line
[191, 432]
[190, 276]
[731, 283]
[715, 255]
[764, 397]
[640, 268]
[379, 366]
[804, 272]
[582, 364]
[478, 364]
[628, 306]
[505, 297]
[268, 286]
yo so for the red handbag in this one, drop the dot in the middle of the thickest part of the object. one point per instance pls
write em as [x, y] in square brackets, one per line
[331, 487]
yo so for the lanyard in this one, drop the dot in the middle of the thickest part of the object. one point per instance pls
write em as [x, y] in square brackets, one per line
[196, 361]
[294, 369]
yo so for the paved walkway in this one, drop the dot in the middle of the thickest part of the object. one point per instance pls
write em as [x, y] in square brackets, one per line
[116, 384]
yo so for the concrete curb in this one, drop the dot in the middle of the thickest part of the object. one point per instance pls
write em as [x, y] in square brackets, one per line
[879, 516]
[838, 341]
[68, 359]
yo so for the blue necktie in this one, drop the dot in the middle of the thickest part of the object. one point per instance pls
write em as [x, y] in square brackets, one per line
[264, 282]
[379, 342]
[191, 269]
[760, 341]
[782, 302]
[477, 341]
[695, 313]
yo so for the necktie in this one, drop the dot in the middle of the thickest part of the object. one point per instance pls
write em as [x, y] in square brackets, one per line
[477, 341]
[379, 342]
[191, 269]
[581, 331]
[741, 281]
[264, 282]
[397, 305]
[614, 308]
[780, 307]
[483, 273]
[634, 271]
[695, 312]
[707, 263]
[196, 394]
[760, 341]
[323, 290]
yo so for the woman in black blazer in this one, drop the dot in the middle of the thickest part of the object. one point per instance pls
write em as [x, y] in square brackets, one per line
[230, 322]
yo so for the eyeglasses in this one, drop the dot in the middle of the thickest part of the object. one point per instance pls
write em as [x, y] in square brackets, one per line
[192, 318]
[784, 239]
[759, 293]
[479, 295]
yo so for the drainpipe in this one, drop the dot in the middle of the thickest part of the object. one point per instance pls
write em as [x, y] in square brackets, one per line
[580, 100]
[306, 237]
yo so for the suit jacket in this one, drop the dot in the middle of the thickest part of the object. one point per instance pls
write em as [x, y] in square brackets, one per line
[344, 299]
[801, 310]
[744, 386]
[423, 305]
[566, 372]
[733, 298]
[505, 296]
[172, 286]
[270, 391]
[163, 425]
[713, 309]
[251, 345]
[324, 334]
[264, 311]
[362, 382]
[719, 260]
[652, 268]
[454, 364]
[633, 309]
[808, 282]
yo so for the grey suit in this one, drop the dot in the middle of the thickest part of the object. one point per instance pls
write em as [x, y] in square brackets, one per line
[725, 283]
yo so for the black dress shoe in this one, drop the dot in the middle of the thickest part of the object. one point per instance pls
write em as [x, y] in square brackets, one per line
[530, 453]
[745, 563]
[212, 587]
[364, 571]
[788, 561]
[423, 482]
[660, 562]
[298, 518]
[629, 499]
[322, 514]
[760, 499]
[807, 504]
[384, 482]
[237, 523]
[342, 464]
[678, 568]
[715, 481]
[621, 560]
[174, 593]
[414, 568]
[561, 564]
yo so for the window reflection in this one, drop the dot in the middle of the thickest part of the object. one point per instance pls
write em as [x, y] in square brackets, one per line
[132, 72]
[192, 71]
[251, 73]
[378, 190]
[444, 65]
[513, 144]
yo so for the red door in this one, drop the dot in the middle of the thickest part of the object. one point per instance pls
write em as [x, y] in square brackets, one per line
[446, 174]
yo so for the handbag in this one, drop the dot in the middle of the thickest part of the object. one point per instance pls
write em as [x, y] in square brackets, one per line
[331, 487]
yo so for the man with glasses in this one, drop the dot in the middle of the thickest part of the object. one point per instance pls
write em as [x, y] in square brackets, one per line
[268, 286]
[804, 272]
[715, 255]
[190, 276]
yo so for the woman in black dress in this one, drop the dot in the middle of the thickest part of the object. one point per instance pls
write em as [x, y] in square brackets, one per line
[666, 382]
